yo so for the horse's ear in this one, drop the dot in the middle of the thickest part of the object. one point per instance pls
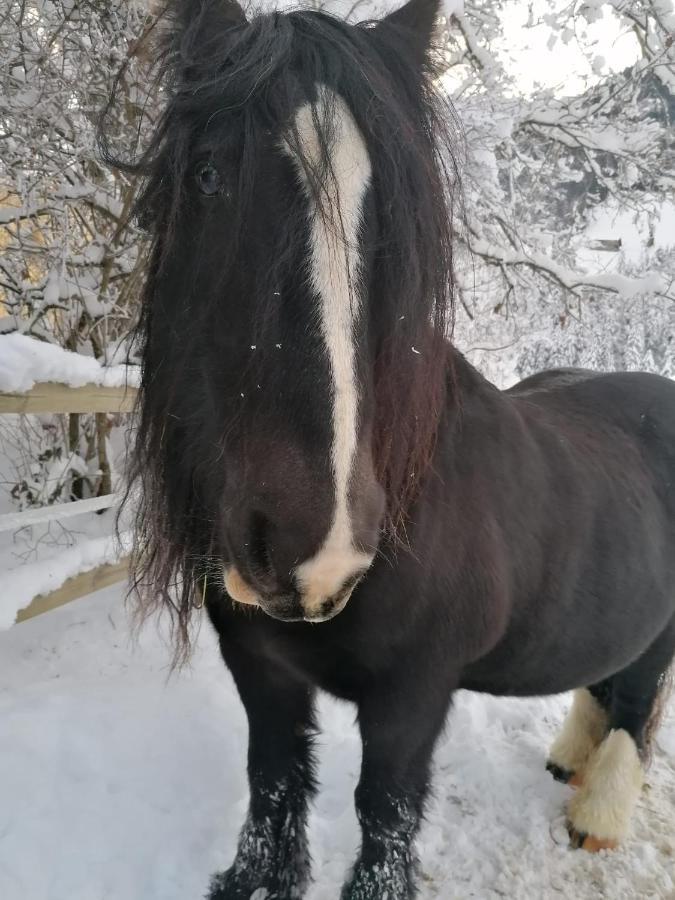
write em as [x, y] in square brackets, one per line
[208, 14]
[419, 17]
[194, 33]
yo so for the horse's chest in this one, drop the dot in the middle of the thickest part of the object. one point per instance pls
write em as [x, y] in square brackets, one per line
[333, 663]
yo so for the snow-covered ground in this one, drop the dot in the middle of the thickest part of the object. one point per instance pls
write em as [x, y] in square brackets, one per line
[122, 783]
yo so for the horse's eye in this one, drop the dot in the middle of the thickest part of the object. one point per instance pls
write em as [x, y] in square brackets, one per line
[208, 179]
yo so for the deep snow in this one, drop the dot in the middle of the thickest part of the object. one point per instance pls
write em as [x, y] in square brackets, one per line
[122, 783]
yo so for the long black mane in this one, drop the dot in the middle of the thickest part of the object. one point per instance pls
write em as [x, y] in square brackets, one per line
[252, 73]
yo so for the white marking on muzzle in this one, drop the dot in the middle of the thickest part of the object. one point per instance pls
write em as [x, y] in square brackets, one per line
[343, 171]
[238, 589]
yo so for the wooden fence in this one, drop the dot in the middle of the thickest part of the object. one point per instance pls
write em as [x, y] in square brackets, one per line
[60, 398]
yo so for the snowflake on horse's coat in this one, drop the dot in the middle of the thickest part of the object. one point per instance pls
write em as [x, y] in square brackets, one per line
[359, 509]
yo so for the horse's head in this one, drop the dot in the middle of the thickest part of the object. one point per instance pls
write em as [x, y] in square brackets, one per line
[297, 294]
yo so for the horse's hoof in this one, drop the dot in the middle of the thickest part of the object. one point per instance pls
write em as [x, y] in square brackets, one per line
[226, 886]
[559, 773]
[579, 840]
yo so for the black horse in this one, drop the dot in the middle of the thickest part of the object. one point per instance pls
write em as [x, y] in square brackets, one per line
[360, 510]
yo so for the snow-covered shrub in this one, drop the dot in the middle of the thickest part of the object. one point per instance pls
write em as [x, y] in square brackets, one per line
[71, 256]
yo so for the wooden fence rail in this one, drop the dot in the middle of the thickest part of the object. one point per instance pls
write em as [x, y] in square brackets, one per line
[60, 398]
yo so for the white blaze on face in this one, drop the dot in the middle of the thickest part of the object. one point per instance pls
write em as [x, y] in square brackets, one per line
[334, 266]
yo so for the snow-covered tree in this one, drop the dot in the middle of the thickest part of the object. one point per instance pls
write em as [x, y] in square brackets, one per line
[570, 186]
[70, 257]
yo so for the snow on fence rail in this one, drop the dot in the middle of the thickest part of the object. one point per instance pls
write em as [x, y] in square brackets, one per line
[25, 361]
[12, 521]
[74, 588]
[98, 563]
[75, 572]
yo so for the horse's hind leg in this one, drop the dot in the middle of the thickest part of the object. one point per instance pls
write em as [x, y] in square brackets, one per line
[583, 730]
[599, 814]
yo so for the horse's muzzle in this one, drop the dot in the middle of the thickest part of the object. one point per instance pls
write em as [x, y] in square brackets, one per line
[287, 606]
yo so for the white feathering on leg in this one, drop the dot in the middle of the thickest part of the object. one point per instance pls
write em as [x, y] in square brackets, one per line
[583, 729]
[604, 804]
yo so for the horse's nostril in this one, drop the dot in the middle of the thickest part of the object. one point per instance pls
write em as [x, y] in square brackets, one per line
[258, 547]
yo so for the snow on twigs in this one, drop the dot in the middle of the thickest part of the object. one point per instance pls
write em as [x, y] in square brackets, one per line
[25, 361]
[452, 8]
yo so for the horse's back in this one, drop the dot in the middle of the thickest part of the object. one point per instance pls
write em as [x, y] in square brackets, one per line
[641, 404]
[551, 378]
[639, 385]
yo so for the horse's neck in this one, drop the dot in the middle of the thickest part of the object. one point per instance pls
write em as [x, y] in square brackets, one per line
[464, 380]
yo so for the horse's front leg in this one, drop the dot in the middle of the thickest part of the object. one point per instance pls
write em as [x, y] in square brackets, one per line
[399, 725]
[272, 856]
